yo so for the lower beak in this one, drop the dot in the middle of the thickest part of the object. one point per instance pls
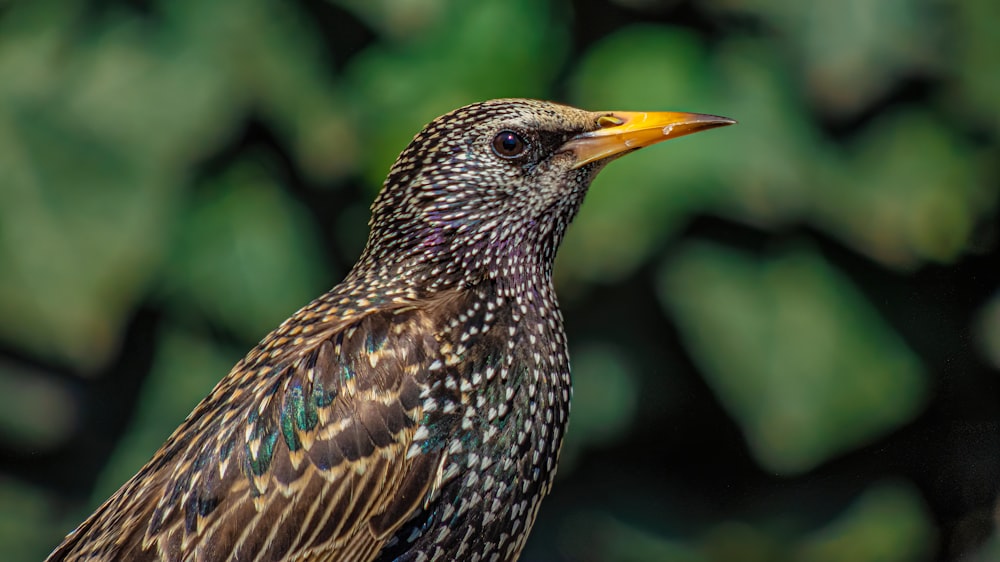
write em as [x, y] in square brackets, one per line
[624, 131]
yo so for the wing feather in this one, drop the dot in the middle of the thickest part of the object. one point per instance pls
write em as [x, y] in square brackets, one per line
[298, 454]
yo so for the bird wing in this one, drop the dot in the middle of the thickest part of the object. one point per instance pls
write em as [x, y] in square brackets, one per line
[302, 452]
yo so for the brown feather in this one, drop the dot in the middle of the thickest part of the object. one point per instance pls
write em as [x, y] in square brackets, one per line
[202, 497]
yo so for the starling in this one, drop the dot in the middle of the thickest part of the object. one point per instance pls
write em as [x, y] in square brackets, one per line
[414, 412]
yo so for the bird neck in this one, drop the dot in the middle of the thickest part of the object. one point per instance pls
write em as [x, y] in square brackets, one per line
[508, 274]
[430, 260]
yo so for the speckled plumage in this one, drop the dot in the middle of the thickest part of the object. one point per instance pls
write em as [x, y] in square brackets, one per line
[415, 411]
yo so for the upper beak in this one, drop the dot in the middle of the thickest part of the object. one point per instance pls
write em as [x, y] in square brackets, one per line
[624, 131]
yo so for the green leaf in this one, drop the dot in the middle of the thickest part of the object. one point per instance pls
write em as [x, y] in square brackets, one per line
[888, 523]
[906, 189]
[270, 57]
[594, 535]
[97, 128]
[848, 53]
[30, 523]
[246, 255]
[793, 351]
[605, 394]
[976, 87]
[909, 191]
[36, 412]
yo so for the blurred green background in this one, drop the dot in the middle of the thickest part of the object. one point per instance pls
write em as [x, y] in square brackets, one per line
[785, 334]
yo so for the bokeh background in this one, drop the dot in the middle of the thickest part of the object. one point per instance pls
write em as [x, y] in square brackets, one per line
[785, 334]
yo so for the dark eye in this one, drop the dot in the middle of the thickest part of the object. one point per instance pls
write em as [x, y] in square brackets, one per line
[508, 144]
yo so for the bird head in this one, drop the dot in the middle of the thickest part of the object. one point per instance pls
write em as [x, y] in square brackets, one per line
[488, 189]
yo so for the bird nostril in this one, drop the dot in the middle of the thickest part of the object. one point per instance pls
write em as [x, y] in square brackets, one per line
[605, 121]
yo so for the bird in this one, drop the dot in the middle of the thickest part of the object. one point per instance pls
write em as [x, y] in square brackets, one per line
[415, 411]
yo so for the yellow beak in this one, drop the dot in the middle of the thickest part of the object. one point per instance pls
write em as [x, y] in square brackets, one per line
[624, 131]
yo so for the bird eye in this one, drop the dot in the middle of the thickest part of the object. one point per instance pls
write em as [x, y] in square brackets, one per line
[508, 144]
